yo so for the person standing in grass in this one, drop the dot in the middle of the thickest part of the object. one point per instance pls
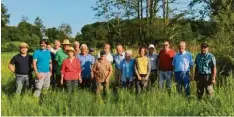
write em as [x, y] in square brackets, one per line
[165, 67]
[127, 70]
[102, 71]
[59, 57]
[77, 47]
[117, 60]
[87, 62]
[107, 49]
[205, 71]
[42, 65]
[71, 70]
[142, 70]
[153, 62]
[183, 66]
[21, 65]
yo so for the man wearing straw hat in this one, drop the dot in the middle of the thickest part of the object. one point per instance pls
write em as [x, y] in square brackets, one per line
[59, 57]
[21, 65]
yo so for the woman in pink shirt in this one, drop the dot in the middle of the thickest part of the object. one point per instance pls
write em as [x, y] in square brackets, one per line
[71, 70]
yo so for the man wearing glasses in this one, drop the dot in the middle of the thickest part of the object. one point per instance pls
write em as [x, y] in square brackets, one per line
[165, 67]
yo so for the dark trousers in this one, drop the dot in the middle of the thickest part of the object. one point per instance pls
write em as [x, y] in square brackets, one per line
[87, 83]
[204, 83]
[141, 84]
[71, 85]
[153, 77]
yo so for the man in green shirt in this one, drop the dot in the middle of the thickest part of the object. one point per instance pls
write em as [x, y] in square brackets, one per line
[59, 57]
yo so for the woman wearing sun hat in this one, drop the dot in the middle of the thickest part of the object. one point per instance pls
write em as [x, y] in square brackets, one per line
[71, 70]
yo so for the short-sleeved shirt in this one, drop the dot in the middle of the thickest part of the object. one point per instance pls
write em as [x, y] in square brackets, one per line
[22, 64]
[43, 58]
[142, 64]
[127, 70]
[153, 60]
[103, 68]
[182, 62]
[165, 60]
[86, 65]
[59, 57]
[71, 70]
[117, 60]
[205, 63]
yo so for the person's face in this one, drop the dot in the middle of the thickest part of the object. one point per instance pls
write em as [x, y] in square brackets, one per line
[119, 49]
[48, 47]
[76, 45]
[142, 52]
[70, 54]
[182, 47]
[65, 47]
[23, 50]
[151, 50]
[103, 57]
[43, 45]
[127, 56]
[57, 44]
[166, 45]
[107, 48]
[204, 50]
[84, 50]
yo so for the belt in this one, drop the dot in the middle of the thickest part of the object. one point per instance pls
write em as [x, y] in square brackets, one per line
[154, 70]
[22, 73]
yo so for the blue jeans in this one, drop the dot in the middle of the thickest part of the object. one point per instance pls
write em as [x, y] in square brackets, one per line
[165, 75]
[182, 80]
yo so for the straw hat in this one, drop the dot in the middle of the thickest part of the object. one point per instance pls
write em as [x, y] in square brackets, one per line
[23, 45]
[66, 42]
[71, 49]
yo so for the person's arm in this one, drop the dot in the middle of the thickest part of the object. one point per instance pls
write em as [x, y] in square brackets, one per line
[136, 71]
[110, 72]
[79, 70]
[214, 70]
[35, 69]
[195, 71]
[51, 67]
[11, 65]
[93, 71]
[149, 69]
[62, 71]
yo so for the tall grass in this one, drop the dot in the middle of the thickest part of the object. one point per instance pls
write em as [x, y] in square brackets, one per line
[83, 102]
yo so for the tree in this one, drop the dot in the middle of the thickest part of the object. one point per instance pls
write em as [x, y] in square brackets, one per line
[65, 30]
[52, 33]
[4, 15]
[39, 24]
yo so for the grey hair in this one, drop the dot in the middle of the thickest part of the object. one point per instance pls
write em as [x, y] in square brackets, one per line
[129, 52]
[84, 45]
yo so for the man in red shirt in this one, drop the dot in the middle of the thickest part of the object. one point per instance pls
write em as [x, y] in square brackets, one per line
[165, 65]
[71, 70]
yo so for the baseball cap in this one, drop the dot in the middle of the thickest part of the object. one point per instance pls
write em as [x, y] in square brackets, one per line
[151, 46]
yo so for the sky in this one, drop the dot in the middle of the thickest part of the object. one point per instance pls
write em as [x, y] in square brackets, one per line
[53, 13]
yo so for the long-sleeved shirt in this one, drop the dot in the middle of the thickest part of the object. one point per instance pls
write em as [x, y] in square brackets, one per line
[71, 69]
[101, 70]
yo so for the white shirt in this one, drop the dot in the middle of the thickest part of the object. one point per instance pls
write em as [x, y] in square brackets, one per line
[109, 57]
[153, 60]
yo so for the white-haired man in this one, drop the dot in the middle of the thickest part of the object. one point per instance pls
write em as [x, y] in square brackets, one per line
[87, 61]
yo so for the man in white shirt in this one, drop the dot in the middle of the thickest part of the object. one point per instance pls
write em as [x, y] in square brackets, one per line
[109, 56]
[153, 62]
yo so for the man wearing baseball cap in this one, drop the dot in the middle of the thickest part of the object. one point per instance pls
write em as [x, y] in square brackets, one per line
[153, 62]
[205, 71]
[21, 65]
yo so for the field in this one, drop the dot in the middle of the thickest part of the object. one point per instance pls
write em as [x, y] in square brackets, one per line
[154, 102]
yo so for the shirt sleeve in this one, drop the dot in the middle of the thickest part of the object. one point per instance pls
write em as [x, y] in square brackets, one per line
[213, 61]
[63, 67]
[93, 60]
[35, 55]
[12, 61]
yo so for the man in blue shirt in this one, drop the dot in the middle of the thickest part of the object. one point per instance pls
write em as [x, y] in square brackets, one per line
[205, 71]
[87, 61]
[42, 66]
[117, 60]
[183, 64]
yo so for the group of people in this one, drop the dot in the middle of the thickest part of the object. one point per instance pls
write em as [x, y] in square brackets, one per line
[72, 66]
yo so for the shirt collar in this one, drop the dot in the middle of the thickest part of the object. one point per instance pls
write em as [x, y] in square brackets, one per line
[182, 53]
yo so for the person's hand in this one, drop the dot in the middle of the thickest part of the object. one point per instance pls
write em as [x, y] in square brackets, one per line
[80, 80]
[61, 81]
[38, 76]
[50, 74]
[139, 78]
[213, 81]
